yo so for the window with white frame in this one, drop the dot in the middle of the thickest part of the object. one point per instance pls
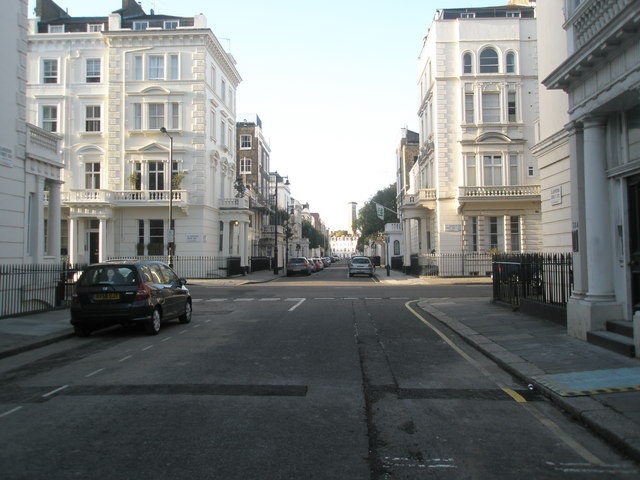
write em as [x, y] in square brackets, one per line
[469, 103]
[492, 170]
[473, 234]
[49, 118]
[511, 62]
[489, 61]
[471, 170]
[156, 67]
[223, 90]
[137, 116]
[155, 116]
[230, 137]
[50, 70]
[56, 29]
[467, 65]
[95, 27]
[491, 106]
[92, 175]
[212, 132]
[93, 70]
[92, 118]
[137, 67]
[170, 24]
[174, 120]
[245, 142]
[514, 170]
[156, 175]
[223, 130]
[140, 25]
[245, 165]
[174, 67]
[496, 233]
[212, 79]
[514, 231]
[512, 111]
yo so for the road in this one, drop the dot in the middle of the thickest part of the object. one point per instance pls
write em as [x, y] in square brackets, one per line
[321, 377]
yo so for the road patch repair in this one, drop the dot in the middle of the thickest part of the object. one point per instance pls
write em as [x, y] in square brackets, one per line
[592, 382]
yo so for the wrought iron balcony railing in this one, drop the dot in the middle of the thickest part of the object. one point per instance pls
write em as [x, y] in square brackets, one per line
[500, 192]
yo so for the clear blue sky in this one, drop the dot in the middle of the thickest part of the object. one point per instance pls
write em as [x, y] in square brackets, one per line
[333, 82]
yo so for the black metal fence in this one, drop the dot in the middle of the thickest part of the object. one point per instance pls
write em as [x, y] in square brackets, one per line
[450, 265]
[35, 288]
[541, 278]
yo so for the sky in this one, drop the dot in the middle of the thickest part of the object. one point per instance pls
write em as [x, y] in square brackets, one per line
[333, 82]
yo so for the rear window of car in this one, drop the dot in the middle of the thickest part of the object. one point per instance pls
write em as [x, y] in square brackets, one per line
[109, 275]
[297, 260]
[360, 260]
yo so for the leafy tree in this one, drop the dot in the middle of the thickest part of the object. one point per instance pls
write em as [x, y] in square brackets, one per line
[340, 233]
[368, 223]
[316, 239]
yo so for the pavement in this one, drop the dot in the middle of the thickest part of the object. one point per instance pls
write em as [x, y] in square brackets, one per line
[595, 386]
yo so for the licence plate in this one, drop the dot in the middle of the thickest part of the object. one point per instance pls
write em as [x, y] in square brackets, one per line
[107, 296]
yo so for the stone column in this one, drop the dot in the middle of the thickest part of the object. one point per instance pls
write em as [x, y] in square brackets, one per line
[38, 223]
[244, 256]
[597, 209]
[53, 246]
[406, 231]
[73, 241]
[226, 235]
[102, 239]
[578, 219]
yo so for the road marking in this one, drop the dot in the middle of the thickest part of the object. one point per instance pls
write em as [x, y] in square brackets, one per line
[216, 300]
[547, 422]
[94, 372]
[515, 395]
[324, 298]
[169, 338]
[300, 301]
[244, 299]
[125, 358]
[269, 299]
[9, 412]
[373, 298]
[147, 347]
[52, 392]
[196, 325]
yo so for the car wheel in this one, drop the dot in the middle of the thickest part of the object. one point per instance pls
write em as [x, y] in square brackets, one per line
[186, 316]
[152, 326]
[308, 273]
[81, 330]
[350, 275]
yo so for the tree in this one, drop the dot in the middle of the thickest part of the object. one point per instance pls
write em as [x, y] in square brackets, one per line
[340, 233]
[316, 239]
[368, 223]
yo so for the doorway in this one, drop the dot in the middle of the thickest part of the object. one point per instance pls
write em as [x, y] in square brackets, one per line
[633, 192]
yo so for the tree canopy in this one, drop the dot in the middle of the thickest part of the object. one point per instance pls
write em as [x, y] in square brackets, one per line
[316, 239]
[368, 223]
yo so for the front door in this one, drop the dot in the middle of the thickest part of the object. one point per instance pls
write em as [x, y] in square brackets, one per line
[94, 247]
[634, 240]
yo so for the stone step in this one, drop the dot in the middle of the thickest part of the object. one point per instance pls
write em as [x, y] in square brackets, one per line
[621, 327]
[613, 341]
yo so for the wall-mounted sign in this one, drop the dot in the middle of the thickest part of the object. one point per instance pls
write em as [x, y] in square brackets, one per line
[6, 156]
[452, 228]
[193, 238]
[556, 195]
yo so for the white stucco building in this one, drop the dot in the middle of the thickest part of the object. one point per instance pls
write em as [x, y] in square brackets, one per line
[601, 76]
[475, 185]
[107, 85]
[30, 166]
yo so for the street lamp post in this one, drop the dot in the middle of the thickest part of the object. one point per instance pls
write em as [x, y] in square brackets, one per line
[275, 228]
[171, 244]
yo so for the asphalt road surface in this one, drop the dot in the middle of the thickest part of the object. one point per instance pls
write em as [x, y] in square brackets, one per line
[321, 377]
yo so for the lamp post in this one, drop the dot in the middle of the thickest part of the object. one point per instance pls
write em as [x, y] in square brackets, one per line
[171, 244]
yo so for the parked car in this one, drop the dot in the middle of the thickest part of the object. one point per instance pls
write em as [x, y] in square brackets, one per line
[360, 266]
[128, 292]
[319, 264]
[326, 261]
[298, 265]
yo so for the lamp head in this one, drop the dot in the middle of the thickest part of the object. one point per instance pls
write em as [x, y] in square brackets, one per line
[163, 130]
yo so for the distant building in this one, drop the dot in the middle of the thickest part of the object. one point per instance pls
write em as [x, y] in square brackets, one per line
[352, 215]
[344, 246]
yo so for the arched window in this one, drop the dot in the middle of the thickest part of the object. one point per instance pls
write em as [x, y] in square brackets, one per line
[511, 62]
[466, 63]
[396, 247]
[489, 61]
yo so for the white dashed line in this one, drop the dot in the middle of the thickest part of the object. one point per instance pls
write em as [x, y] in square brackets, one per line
[52, 392]
[165, 339]
[147, 347]
[9, 412]
[125, 358]
[94, 372]
[269, 299]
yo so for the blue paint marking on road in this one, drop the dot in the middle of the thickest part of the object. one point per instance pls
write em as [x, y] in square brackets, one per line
[592, 382]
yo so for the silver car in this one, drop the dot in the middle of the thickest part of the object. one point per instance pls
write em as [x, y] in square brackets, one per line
[361, 266]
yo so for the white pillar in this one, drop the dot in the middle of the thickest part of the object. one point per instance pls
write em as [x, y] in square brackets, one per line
[578, 220]
[244, 254]
[102, 239]
[53, 246]
[38, 240]
[225, 238]
[406, 231]
[73, 241]
[597, 210]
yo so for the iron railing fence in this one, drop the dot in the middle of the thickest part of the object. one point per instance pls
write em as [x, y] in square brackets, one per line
[33, 288]
[451, 265]
[196, 266]
[537, 277]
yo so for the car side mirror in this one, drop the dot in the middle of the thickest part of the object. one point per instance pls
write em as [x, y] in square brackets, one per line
[183, 281]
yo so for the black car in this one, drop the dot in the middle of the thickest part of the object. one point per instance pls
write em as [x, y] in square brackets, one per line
[128, 292]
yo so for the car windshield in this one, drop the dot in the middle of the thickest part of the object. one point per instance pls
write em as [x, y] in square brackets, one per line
[360, 260]
[108, 274]
[296, 260]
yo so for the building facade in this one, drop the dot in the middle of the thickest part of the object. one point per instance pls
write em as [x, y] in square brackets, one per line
[145, 106]
[601, 76]
[475, 185]
[30, 163]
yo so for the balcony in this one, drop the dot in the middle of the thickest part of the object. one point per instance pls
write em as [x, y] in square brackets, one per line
[499, 192]
[390, 228]
[591, 18]
[125, 198]
[43, 146]
[425, 197]
[233, 203]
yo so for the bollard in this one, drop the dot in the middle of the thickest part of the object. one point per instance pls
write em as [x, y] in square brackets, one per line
[388, 267]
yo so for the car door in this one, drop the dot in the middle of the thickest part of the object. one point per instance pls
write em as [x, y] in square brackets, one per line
[175, 295]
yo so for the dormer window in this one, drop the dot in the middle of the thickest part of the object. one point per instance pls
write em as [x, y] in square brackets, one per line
[95, 27]
[140, 25]
[170, 25]
[56, 29]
